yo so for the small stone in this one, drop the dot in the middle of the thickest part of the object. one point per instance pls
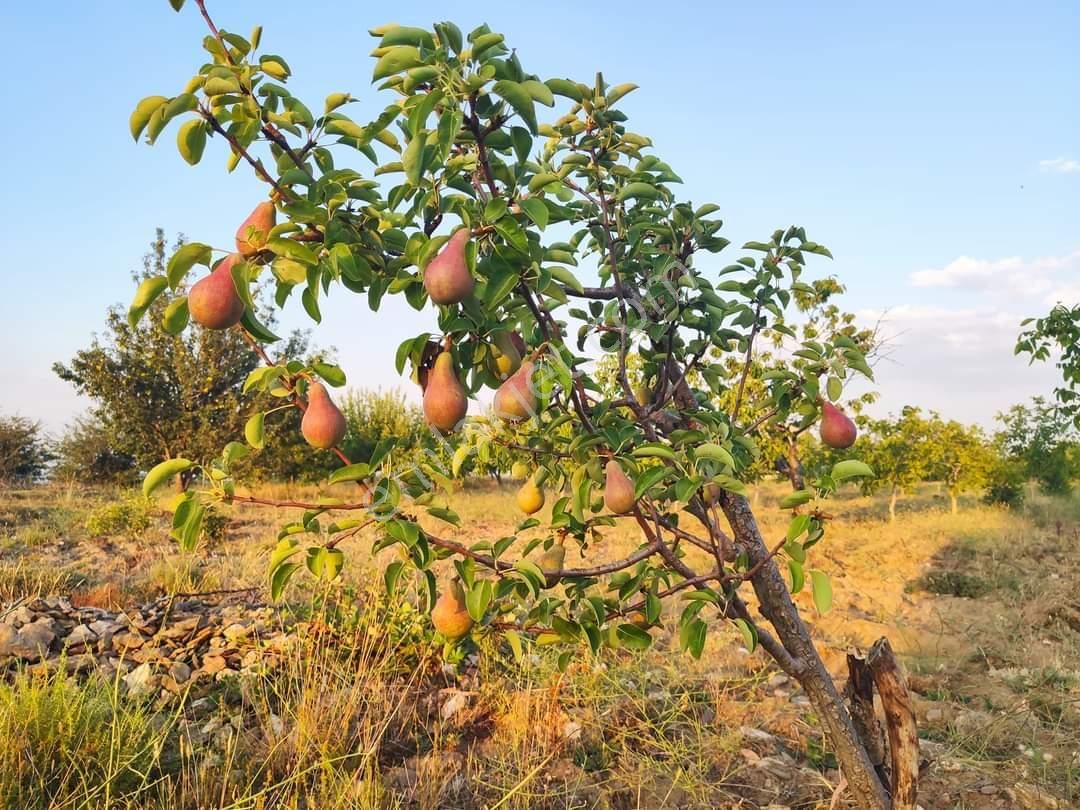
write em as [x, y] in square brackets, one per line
[750, 755]
[277, 727]
[988, 790]
[127, 641]
[81, 634]
[934, 715]
[571, 730]
[212, 664]
[179, 671]
[20, 616]
[454, 703]
[8, 640]
[777, 680]
[141, 680]
[236, 632]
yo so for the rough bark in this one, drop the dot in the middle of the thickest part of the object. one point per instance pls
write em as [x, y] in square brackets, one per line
[860, 695]
[805, 664]
[900, 721]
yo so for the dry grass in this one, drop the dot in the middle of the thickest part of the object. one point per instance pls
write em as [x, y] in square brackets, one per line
[982, 604]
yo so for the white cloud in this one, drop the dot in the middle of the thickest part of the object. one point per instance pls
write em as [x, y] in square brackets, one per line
[1060, 165]
[1014, 275]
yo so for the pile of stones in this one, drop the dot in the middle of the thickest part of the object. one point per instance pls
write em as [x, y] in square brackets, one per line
[168, 646]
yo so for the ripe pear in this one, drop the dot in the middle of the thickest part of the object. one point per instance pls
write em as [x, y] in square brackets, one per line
[530, 498]
[618, 489]
[639, 618]
[516, 398]
[447, 278]
[323, 424]
[445, 401]
[551, 562]
[520, 470]
[710, 493]
[837, 430]
[254, 231]
[450, 616]
[213, 301]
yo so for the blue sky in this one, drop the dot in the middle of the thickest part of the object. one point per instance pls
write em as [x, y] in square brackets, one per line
[935, 148]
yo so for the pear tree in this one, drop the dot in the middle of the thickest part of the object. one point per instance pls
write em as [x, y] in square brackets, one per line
[539, 233]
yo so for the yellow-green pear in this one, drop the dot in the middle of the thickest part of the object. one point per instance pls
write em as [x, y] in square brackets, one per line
[253, 233]
[323, 424]
[516, 398]
[530, 498]
[447, 278]
[507, 357]
[450, 616]
[618, 489]
[213, 301]
[445, 400]
[551, 562]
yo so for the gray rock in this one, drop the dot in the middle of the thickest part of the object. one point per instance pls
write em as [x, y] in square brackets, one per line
[81, 634]
[179, 671]
[454, 701]
[20, 616]
[236, 632]
[9, 639]
[141, 680]
[34, 640]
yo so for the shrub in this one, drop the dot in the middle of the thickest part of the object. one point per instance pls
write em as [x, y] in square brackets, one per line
[1006, 483]
[130, 516]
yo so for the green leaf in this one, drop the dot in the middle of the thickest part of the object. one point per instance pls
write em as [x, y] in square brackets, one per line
[798, 577]
[640, 190]
[565, 88]
[692, 636]
[274, 66]
[140, 116]
[834, 388]
[162, 472]
[799, 524]
[184, 259]
[353, 472]
[563, 275]
[536, 210]
[191, 140]
[256, 329]
[253, 431]
[292, 250]
[478, 598]
[324, 563]
[714, 452]
[520, 99]
[617, 92]
[749, 634]
[397, 59]
[145, 295]
[280, 578]
[822, 590]
[331, 373]
[653, 450]
[796, 499]
[176, 316]
[514, 640]
[850, 468]
[391, 575]
[633, 637]
[413, 158]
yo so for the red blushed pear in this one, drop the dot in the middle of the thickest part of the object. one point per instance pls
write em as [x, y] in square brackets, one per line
[618, 489]
[447, 278]
[445, 399]
[254, 231]
[516, 398]
[837, 430]
[213, 301]
[323, 424]
[450, 616]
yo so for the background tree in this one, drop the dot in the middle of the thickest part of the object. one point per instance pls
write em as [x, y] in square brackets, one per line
[1043, 437]
[162, 390]
[462, 145]
[960, 456]
[25, 452]
[898, 449]
[1057, 333]
[88, 452]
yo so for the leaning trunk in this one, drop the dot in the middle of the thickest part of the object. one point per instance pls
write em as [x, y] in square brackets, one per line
[794, 465]
[892, 503]
[805, 665]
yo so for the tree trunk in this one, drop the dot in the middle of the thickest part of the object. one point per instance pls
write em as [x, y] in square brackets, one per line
[794, 466]
[892, 504]
[952, 501]
[806, 665]
[900, 722]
